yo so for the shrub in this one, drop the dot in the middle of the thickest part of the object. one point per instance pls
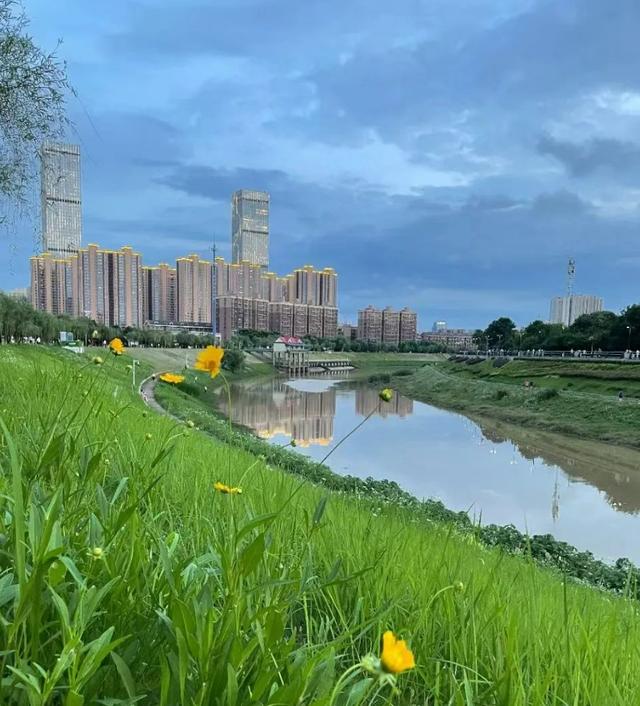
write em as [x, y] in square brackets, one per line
[402, 373]
[500, 394]
[499, 362]
[547, 394]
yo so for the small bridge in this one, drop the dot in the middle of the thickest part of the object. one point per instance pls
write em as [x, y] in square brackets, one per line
[330, 363]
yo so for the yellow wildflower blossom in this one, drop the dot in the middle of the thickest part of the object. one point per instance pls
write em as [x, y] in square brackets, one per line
[210, 360]
[396, 657]
[227, 489]
[172, 378]
[116, 346]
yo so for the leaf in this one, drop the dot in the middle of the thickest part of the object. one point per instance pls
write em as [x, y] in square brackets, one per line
[256, 522]
[319, 512]
[232, 686]
[125, 674]
[251, 555]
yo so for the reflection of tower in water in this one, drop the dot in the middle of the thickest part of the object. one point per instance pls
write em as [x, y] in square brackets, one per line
[306, 417]
[367, 399]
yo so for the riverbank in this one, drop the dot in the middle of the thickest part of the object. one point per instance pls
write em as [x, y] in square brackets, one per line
[182, 594]
[190, 401]
[579, 401]
[180, 359]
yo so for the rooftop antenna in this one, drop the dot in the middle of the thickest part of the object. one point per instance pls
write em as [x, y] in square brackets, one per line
[571, 276]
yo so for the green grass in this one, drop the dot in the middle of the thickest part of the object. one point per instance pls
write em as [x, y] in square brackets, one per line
[162, 359]
[261, 598]
[587, 408]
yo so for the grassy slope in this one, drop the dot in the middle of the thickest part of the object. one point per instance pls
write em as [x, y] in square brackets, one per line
[161, 359]
[205, 614]
[586, 408]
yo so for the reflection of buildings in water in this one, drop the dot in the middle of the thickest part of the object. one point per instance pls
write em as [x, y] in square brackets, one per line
[614, 470]
[306, 417]
[367, 400]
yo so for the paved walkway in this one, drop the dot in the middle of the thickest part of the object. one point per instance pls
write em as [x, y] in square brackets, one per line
[147, 391]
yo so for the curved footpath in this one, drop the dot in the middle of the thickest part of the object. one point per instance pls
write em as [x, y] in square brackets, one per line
[147, 391]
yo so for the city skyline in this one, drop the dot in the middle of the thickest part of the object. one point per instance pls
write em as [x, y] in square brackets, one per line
[465, 197]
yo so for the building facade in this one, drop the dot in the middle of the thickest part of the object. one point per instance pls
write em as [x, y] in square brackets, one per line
[408, 325]
[390, 325]
[565, 310]
[459, 339]
[193, 290]
[369, 324]
[60, 199]
[103, 285]
[250, 227]
[112, 287]
[51, 284]
[387, 325]
[159, 294]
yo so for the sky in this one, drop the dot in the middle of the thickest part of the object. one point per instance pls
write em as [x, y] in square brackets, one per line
[447, 156]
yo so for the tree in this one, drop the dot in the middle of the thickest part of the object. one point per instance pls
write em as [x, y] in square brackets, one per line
[33, 85]
[499, 333]
[535, 335]
[600, 330]
[233, 360]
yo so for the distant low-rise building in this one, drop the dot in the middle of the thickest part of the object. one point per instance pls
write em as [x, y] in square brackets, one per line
[451, 338]
[348, 331]
[565, 310]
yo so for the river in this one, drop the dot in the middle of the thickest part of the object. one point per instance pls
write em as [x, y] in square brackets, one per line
[585, 493]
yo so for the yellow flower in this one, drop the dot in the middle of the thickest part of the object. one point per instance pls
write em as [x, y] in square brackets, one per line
[396, 657]
[386, 394]
[227, 489]
[210, 360]
[96, 553]
[116, 346]
[147, 437]
[172, 378]
[190, 424]
[97, 360]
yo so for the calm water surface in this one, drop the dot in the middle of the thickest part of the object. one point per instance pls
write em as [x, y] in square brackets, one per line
[585, 493]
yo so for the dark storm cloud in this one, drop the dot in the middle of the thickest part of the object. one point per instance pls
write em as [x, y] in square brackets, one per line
[583, 158]
[413, 145]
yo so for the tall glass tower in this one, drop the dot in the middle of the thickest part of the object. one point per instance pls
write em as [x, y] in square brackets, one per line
[60, 198]
[250, 227]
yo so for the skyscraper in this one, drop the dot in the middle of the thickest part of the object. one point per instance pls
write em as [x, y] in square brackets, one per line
[250, 227]
[60, 198]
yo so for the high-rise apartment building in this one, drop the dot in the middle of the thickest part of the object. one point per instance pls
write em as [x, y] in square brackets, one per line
[60, 198]
[390, 325]
[51, 284]
[109, 285]
[387, 326]
[250, 227]
[408, 325]
[193, 282]
[370, 324]
[565, 310]
[103, 285]
[159, 294]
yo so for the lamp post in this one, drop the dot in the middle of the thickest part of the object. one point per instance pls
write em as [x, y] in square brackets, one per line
[629, 328]
[133, 372]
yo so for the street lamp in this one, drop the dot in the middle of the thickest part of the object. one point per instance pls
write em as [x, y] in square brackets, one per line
[629, 338]
[133, 371]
